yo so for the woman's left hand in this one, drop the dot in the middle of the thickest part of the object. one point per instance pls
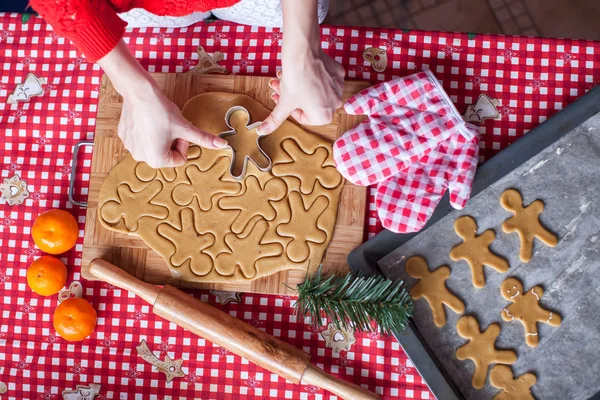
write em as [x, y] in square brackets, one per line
[309, 88]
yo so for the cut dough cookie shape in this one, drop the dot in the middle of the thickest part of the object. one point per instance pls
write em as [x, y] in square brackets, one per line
[501, 377]
[526, 309]
[481, 348]
[475, 250]
[432, 287]
[526, 222]
[244, 142]
[210, 227]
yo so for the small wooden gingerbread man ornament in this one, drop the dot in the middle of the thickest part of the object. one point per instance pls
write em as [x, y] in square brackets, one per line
[475, 250]
[208, 64]
[501, 377]
[526, 309]
[481, 349]
[432, 286]
[526, 222]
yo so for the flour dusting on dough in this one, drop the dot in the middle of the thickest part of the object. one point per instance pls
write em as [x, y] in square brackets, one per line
[559, 151]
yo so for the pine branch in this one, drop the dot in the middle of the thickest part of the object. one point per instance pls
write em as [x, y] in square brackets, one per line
[353, 301]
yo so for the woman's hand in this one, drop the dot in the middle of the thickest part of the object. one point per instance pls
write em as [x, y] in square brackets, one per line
[152, 128]
[311, 84]
[310, 90]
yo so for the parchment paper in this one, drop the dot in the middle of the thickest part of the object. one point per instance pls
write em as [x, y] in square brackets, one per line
[566, 177]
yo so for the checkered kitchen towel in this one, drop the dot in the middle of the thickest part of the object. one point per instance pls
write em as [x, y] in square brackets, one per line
[414, 145]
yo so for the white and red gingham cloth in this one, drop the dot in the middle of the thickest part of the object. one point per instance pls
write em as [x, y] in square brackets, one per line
[532, 78]
[414, 145]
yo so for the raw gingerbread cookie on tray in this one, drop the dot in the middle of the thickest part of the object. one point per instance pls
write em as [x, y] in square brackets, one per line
[211, 226]
[475, 250]
[526, 222]
[501, 377]
[432, 286]
[526, 309]
[481, 348]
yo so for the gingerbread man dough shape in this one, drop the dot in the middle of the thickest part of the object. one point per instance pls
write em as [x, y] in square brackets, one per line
[432, 286]
[244, 141]
[526, 309]
[475, 250]
[481, 349]
[501, 377]
[526, 222]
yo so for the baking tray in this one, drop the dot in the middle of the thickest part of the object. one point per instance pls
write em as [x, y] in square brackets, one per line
[522, 157]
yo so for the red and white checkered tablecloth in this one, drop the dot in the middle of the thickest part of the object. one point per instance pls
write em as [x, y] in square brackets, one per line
[532, 79]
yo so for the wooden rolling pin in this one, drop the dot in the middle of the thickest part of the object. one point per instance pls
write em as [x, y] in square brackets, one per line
[231, 333]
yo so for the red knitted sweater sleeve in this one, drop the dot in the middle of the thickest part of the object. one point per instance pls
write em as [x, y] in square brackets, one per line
[92, 25]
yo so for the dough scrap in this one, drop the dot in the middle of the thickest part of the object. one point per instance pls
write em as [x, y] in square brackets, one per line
[526, 222]
[199, 218]
[475, 250]
[526, 309]
[501, 377]
[481, 348]
[432, 287]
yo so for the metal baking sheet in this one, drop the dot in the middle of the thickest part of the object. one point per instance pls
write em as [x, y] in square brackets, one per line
[566, 176]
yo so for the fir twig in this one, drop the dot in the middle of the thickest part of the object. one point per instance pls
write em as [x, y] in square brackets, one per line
[353, 301]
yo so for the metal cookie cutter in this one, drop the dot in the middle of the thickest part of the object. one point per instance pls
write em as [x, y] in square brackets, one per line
[247, 127]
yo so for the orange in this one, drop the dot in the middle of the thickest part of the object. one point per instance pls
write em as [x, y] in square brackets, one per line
[75, 319]
[55, 231]
[46, 275]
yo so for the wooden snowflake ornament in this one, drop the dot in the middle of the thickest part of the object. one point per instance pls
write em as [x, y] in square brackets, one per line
[14, 190]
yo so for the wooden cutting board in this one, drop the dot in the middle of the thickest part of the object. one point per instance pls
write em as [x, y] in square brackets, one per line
[131, 253]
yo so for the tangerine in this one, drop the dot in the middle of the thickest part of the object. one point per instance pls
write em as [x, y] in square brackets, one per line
[55, 231]
[47, 275]
[75, 319]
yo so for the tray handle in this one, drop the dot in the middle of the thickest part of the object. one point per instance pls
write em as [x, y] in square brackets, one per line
[74, 172]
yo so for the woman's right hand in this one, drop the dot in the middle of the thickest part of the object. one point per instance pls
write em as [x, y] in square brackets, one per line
[151, 127]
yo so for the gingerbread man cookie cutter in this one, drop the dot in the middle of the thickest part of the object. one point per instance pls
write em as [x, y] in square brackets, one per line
[14, 190]
[238, 119]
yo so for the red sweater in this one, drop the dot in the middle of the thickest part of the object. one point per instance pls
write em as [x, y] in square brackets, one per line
[93, 25]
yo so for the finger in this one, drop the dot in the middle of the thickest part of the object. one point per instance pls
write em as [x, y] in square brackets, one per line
[275, 119]
[278, 73]
[173, 158]
[181, 146]
[299, 116]
[201, 138]
[275, 84]
[275, 97]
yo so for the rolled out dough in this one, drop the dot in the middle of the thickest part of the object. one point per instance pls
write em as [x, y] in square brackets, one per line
[210, 227]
